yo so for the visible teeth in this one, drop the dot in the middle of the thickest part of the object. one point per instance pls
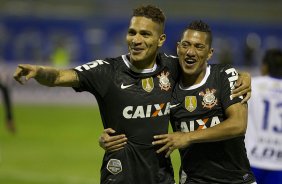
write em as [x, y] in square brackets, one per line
[190, 61]
[137, 49]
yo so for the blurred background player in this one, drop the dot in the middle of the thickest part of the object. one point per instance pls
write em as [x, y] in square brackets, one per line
[7, 105]
[264, 132]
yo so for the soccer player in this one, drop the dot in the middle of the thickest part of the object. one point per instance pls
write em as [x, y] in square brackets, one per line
[8, 107]
[201, 100]
[133, 93]
[264, 132]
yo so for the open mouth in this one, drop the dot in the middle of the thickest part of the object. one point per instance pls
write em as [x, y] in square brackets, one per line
[190, 61]
[136, 50]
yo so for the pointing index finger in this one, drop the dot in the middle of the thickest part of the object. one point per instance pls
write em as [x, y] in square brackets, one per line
[18, 74]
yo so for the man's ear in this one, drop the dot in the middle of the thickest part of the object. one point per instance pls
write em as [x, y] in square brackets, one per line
[162, 40]
[177, 48]
[210, 53]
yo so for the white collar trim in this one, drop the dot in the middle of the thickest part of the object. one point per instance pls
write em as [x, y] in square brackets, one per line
[208, 71]
[133, 68]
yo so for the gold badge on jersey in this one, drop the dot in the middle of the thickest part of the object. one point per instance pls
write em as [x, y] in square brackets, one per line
[209, 99]
[148, 84]
[164, 81]
[190, 103]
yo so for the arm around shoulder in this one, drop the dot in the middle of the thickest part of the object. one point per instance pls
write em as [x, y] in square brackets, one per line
[243, 86]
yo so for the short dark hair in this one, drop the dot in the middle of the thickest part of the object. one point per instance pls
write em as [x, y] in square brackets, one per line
[151, 12]
[273, 60]
[199, 25]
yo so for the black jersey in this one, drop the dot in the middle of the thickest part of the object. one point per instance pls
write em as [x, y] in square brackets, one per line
[203, 106]
[135, 103]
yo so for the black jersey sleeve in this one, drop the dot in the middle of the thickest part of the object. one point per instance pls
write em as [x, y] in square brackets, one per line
[227, 79]
[95, 76]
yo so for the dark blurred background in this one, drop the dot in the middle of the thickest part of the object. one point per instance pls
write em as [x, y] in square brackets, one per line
[63, 32]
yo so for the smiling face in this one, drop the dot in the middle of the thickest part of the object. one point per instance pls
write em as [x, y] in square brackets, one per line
[144, 37]
[194, 51]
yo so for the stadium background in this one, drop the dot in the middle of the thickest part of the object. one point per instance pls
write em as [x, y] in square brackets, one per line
[57, 129]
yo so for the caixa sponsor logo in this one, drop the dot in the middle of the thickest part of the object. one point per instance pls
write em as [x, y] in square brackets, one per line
[90, 65]
[133, 112]
[197, 124]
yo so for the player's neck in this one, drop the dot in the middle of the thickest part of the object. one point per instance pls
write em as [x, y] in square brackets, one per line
[142, 66]
[190, 80]
[145, 64]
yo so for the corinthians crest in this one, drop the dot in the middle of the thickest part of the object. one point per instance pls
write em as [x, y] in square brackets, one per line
[190, 103]
[148, 84]
[209, 100]
[164, 81]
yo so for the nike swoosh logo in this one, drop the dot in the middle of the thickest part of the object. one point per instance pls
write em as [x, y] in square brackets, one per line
[172, 106]
[125, 86]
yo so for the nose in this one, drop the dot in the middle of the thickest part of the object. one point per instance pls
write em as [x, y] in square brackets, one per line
[190, 51]
[137, 39]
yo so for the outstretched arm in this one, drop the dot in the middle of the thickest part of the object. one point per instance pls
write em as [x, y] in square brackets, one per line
[47, 76]
[235, 125]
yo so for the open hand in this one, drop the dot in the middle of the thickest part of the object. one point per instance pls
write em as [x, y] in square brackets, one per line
[243, 87]
[171, 142]
[112, 143]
